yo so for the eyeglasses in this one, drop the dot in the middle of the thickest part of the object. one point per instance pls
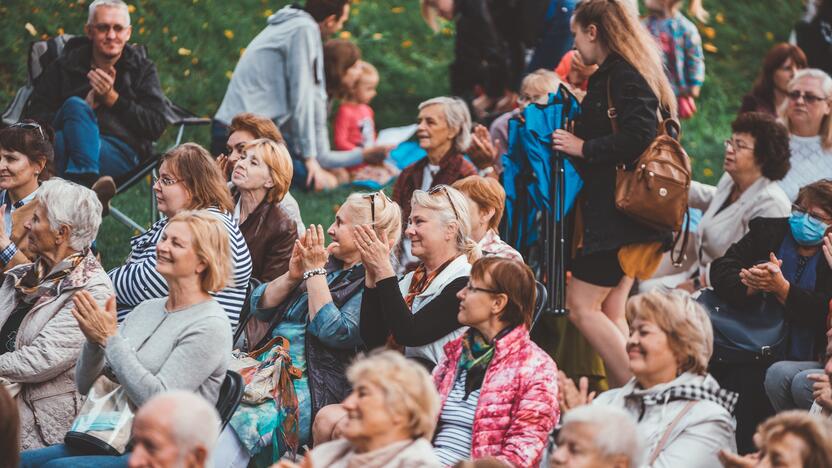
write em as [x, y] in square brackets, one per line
[474, 289]
[807, 97]
[731, 145]
[168, 181]
[104, 28]
[29, 126]
[444, 188]
[372, 197]
[799, 209]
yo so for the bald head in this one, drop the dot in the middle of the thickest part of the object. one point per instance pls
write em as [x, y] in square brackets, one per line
[174, 429]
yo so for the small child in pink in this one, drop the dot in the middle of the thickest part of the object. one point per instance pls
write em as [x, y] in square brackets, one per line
[355, 125]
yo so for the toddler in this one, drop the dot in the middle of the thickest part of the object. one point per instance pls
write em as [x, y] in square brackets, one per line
[681, 47]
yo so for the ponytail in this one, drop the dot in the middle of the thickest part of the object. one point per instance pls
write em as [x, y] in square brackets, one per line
[471, 250]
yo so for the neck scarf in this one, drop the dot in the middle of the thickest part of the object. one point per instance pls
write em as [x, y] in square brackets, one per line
[476, 355]
[39, 281]
[421, 280]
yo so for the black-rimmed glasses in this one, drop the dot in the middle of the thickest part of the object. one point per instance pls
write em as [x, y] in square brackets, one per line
[29, 126]
[444, 188]
[809, 98]
[799, 209]
[474, 289]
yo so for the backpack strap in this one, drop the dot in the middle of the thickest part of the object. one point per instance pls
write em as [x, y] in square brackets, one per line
[666, 436]
[684, 234]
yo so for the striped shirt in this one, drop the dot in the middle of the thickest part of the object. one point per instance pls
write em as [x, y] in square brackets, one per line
[452, 442]
[137, 280]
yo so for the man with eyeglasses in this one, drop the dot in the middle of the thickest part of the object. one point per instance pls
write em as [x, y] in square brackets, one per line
[807, 117]
[104, 99]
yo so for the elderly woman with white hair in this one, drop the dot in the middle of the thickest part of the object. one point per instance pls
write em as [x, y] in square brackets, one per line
[807, 116]
[683, 416]
[597, 436]
[40, 341]
[445, 133]
[420, 311]
[390, 417]
[178, 342]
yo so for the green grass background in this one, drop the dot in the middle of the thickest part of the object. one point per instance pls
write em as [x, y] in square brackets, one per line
[196, 43]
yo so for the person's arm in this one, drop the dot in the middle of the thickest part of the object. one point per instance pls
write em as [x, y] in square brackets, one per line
[138, 281]
[338, 327]
[144, 114]
[344, 119]
[54, 350]
[277, 256]
[196, 355]
[698, 444]
[372, 324]
[533, 418]
[434, 320]
[305, 62]
[636, 106]
[694, 62]
[700, 195]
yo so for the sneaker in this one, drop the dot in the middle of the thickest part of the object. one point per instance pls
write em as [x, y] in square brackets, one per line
[105, 188]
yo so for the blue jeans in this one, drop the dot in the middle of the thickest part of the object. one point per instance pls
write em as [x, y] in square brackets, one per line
[557, 37]
[60, 456]
[787, 385]
[80, 149]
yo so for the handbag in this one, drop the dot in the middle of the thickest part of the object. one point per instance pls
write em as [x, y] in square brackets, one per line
[655, 191]
[105, 422]
[265, 370]
[756, 333]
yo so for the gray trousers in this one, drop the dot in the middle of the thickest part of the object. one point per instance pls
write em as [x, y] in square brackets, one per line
[788, 386]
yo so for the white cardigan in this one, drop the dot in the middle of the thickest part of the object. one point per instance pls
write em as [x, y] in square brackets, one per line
[434, 352]
[718, 231]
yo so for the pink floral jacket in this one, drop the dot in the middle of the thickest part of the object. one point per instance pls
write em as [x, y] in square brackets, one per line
[517, 407]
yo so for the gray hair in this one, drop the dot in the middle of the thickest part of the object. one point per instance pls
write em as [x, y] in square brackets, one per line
[108, 3]
[193, 421]
[452, 209]
[826, 89]
[458, 118]
[67, 203]
[615, 430]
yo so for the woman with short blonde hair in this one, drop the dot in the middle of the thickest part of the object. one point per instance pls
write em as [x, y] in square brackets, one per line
[420, 311]
[210, 244]
[684, 417]
[261, 178]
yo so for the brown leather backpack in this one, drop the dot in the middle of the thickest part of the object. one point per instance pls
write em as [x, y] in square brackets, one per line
[654, 191]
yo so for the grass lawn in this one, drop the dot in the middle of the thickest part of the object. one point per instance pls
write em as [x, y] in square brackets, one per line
[196, 43]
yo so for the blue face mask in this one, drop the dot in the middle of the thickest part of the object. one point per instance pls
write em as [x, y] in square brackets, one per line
[806, 229]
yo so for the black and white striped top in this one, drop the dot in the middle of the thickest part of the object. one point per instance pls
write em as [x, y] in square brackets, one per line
[137, 280]
[452, 442]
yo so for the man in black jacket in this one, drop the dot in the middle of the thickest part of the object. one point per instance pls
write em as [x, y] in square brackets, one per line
[104, 99]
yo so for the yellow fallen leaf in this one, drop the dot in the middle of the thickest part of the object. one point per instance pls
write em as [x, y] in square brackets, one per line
[31, 29]
[709, 47]
[131, 8]
[184, 51]
[194, 61]
[709, 32]
[229, 34]
[141, 30]
[267, 12]
[187, 72]
[769, 35]
[407, 43]
[708, 172]
[377, 36]
[397, 9]
[345, 35]
[720, 18]
[228, 74]
[165, 30]
[141, 20]
[242, 51]
[174, 38]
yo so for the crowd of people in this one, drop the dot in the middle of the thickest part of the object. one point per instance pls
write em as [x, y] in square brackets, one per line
[406, 341]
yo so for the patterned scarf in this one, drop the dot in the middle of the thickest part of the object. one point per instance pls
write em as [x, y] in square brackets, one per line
[421, 280]
[476, 355]
[39, 281]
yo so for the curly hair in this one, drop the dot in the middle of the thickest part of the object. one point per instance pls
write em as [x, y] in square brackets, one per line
[771, 142]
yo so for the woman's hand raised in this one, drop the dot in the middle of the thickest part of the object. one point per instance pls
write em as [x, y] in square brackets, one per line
[96, 324]
[313, 254]
[375, 252]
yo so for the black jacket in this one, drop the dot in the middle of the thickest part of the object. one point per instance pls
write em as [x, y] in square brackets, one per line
[137, 117]
[606, 228]
[803, 307]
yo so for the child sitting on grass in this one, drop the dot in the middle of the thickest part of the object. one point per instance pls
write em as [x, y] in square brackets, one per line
[355, 125]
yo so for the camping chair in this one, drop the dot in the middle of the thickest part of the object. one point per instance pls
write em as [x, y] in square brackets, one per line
[231, 394]
[41, 55]
[539, 302]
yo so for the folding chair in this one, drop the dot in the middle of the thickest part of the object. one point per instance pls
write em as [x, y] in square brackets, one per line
[41, 55]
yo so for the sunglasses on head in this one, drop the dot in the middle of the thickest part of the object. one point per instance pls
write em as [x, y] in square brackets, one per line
[444, 188]
[372, 197]
[29, 126]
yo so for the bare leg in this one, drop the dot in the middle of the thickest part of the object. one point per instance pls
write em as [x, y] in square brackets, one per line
[613, 306]
[585, 301]
[327, 424]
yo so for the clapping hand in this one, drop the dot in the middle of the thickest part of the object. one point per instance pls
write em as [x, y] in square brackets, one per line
[827, 248]
[102, 82]
[732, 460]
[96, 324]
[482, 151]
[766, 277]
[375, 253]
[313, 254]
[822, 391]
[571, 396]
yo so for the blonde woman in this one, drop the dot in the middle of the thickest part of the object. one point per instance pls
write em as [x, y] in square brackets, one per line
[262, 176]
[420, 311]
[390, 418]
[180, 341]
[683, 416]
[315, 305]
[615, 248]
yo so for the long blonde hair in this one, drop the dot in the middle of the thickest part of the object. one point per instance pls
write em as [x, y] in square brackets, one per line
[620, 30]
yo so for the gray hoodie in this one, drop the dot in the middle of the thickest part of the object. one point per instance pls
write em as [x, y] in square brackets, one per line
[281, 76]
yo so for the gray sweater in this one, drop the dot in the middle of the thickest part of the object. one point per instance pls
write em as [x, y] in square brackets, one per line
[155, 351]
[281, 76]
